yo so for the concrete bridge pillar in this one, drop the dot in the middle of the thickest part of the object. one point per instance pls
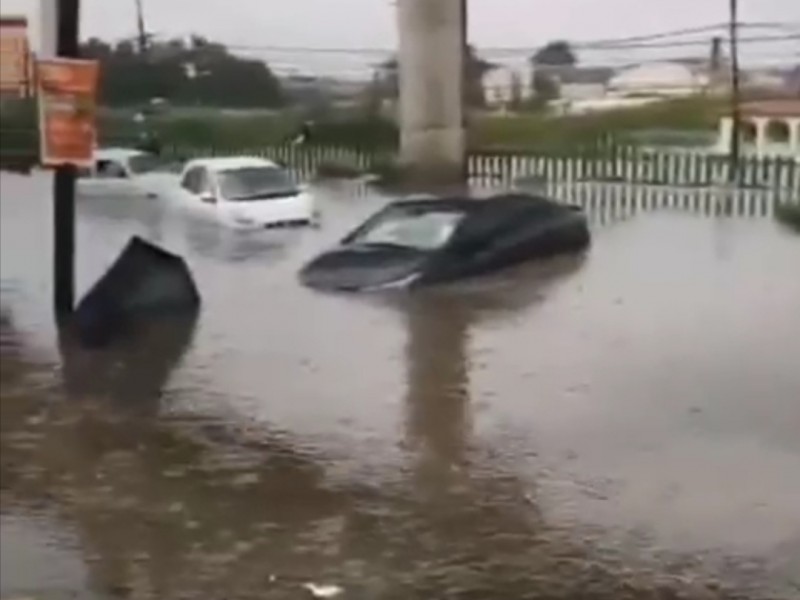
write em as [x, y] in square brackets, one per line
[432, 132]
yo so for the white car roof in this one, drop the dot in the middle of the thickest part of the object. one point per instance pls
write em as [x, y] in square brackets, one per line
[120, 154]
[226, 163]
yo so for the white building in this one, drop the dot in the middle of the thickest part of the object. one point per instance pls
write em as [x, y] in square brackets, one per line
[582, 83]
[667, 79]
[506, 84]
[768, 127]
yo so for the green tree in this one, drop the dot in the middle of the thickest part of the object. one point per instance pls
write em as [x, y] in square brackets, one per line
[546, 63]
[201, 73]
[558, 53]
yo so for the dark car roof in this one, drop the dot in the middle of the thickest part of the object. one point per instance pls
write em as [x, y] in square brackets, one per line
[481, 215]
[498, 203]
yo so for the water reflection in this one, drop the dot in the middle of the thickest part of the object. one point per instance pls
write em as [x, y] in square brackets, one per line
[608, 203]
[163, 508]
[217, 243]
[438, 419]
[487, 407]
[185, 508]
[437, 354]
[132, 372]
[162, 223]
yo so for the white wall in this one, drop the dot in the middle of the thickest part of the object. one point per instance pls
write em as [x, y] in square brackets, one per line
[498, 85]
[762, 145]
[661, 78]
[582, 91]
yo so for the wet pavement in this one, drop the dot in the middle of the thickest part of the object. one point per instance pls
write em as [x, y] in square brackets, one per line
[619, 426]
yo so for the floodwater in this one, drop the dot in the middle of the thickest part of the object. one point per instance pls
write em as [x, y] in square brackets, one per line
[619, 427]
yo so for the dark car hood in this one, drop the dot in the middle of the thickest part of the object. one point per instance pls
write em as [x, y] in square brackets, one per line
[363, 267]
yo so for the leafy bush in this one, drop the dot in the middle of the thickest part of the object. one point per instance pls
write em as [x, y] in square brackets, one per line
[372, 133]
[556, 133]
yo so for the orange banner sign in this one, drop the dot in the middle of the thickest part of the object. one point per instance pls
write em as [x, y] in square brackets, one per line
[14, 57]
[67, 90]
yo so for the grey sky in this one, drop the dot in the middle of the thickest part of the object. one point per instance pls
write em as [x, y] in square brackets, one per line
[370, 24]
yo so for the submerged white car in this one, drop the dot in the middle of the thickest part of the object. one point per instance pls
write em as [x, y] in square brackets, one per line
[124, 172]
[244, 193]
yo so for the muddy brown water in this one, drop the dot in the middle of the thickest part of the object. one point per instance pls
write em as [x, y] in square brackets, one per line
[621, 426]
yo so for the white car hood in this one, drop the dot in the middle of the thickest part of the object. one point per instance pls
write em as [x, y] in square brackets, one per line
[259, 213]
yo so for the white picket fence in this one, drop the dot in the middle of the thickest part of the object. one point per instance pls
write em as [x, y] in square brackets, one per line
[609, 202]
[622, 165]
[667, 168]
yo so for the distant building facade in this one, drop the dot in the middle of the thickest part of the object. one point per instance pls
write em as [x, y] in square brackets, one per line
[768, 127]
[664, 79]
[16, 62]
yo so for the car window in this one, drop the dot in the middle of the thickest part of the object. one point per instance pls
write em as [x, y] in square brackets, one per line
[424, 230]
[189, 181]
[110, 169]
[254, 183]
[196, 180]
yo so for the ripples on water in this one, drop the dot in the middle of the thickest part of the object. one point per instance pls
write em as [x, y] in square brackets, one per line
[623, 426]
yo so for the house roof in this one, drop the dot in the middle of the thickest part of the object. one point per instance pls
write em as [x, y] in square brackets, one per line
[771, 108]
[695, 64]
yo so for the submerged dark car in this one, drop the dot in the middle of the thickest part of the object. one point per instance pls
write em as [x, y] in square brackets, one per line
[420, 242]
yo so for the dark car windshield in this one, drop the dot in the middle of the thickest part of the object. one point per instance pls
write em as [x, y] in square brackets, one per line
[253, 183]
[424, 230]
[144, 163]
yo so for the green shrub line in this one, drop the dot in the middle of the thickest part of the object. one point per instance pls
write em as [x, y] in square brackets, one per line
[690, 120]
[347, 144]
[693, 117]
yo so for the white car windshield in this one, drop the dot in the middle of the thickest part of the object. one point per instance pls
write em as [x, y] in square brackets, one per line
[254, 183]
[423, 230]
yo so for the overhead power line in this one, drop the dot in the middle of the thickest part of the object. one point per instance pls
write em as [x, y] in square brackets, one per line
[364, 72]
[596, 46]
[724, 26]
[683, 43]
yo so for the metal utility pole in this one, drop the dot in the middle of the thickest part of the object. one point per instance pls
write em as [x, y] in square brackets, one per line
[466, 81]
[715, 63]
[465, 57]
[140, 26]
[60, 20]
[733, 158]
